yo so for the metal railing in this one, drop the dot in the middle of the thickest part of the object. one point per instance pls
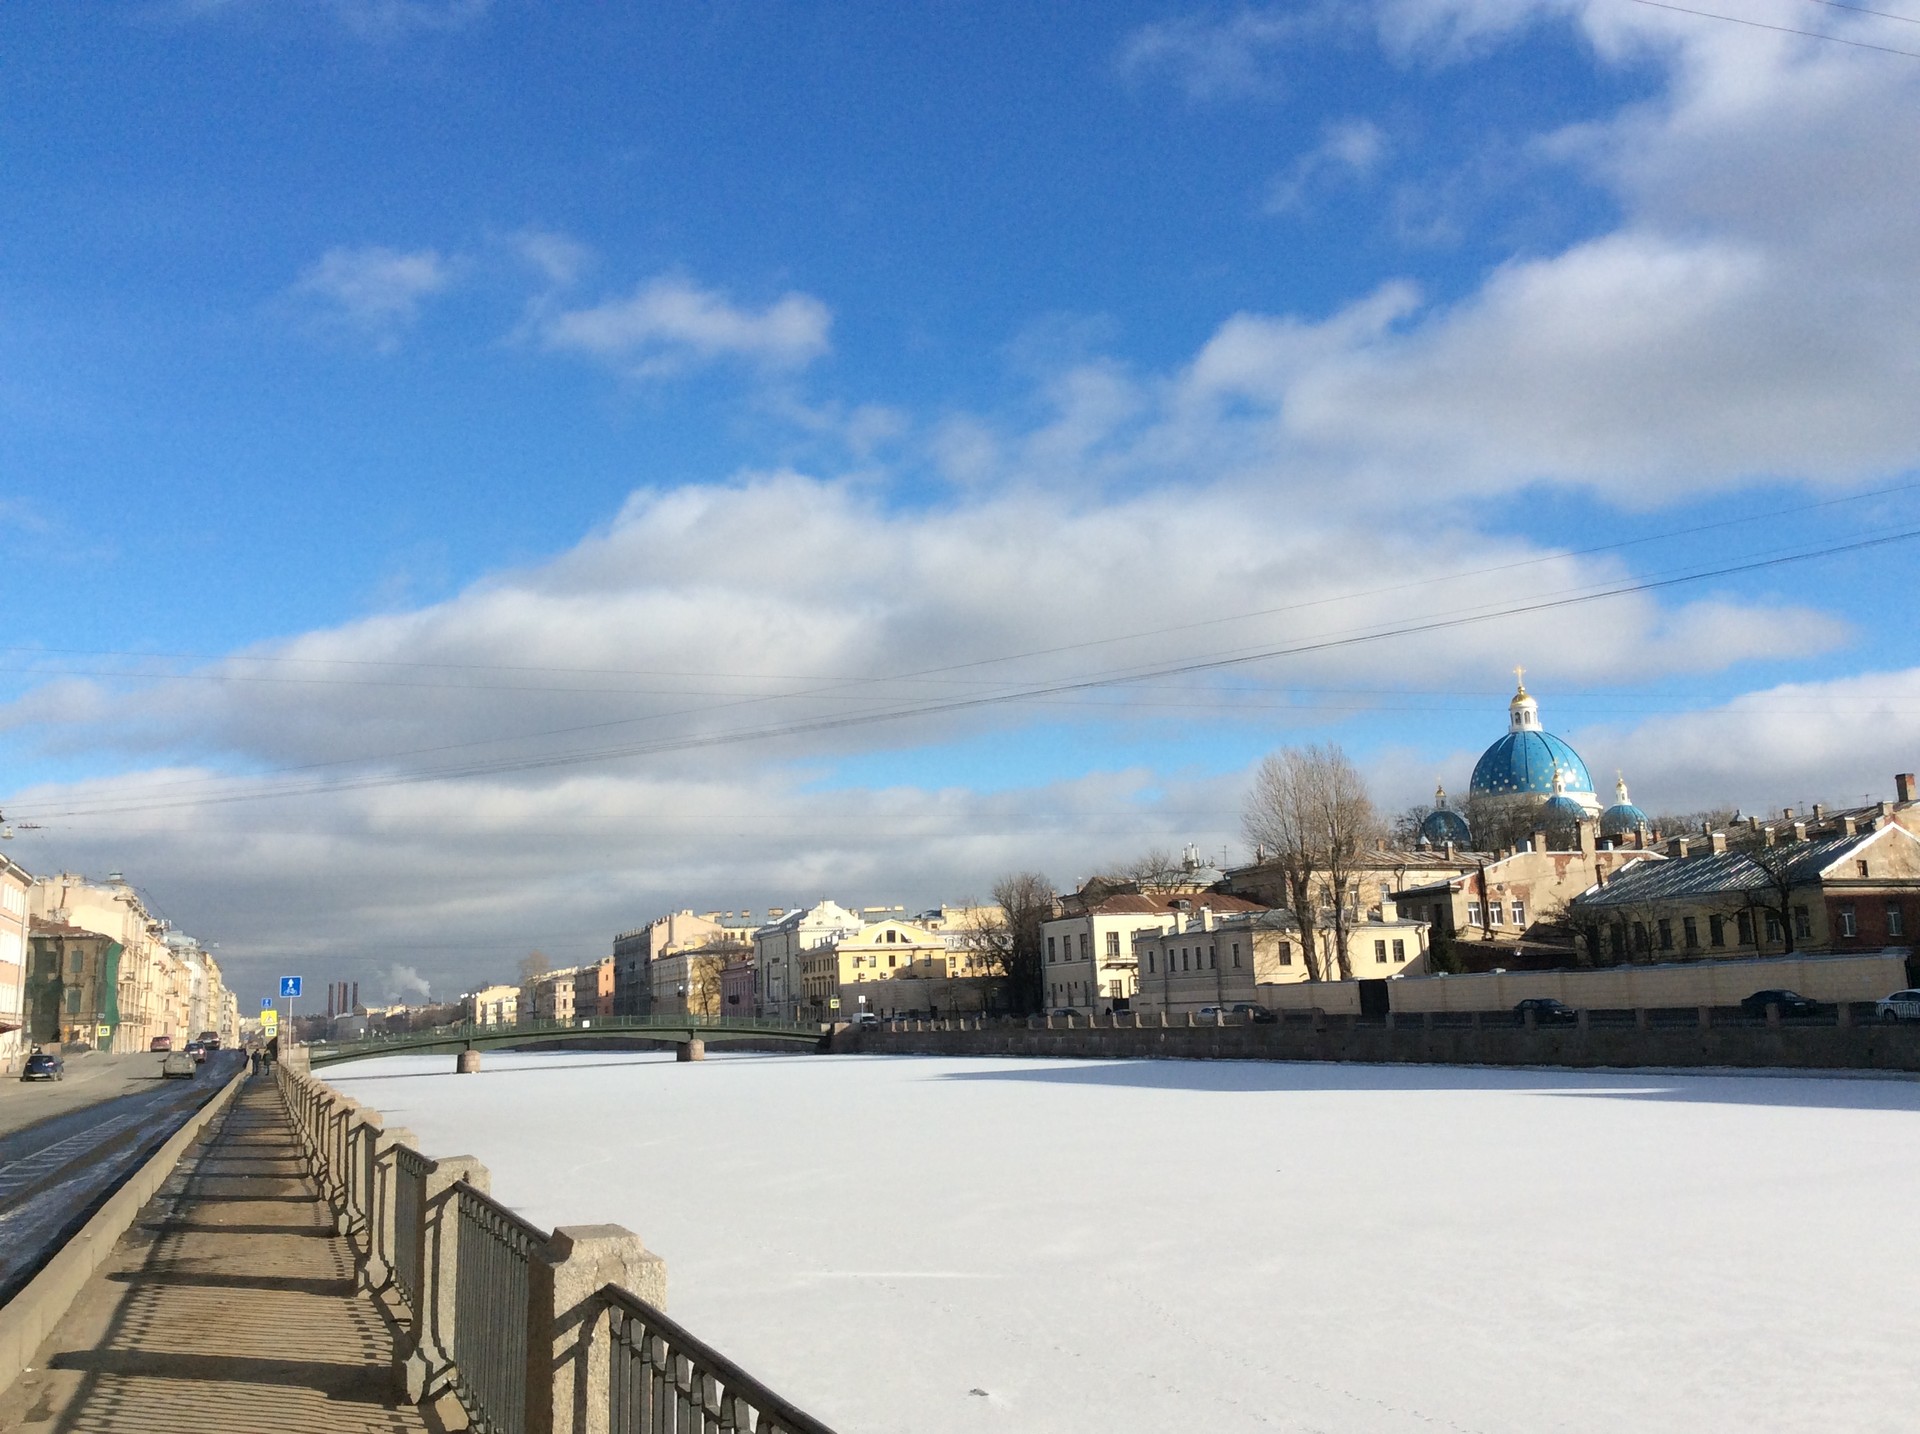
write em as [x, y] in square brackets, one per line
[490, 1311]
[454, 1271]
[578, 1026]
[664, 1380]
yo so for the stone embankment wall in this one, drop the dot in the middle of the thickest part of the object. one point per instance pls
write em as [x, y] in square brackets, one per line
[1412, 1041]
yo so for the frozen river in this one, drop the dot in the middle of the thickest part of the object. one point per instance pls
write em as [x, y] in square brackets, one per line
[916, 1246]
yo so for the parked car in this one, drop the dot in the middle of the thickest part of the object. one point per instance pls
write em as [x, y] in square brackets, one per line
[44, 1065]
[1059, 1011]
[160, 1043]
[210, 1039]
[1546, 1012]
[1791, 1003]
[197, 1051]
[1254, 1013]
[179, 1065]
[1900, 1006]
[867, 1021]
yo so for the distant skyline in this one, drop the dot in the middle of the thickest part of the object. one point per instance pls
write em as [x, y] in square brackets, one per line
[474, 475]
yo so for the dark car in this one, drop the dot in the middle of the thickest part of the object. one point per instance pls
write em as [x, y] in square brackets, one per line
[1253, 1013]
[210, 1039]
[1546, 1012]
[198, 1050]
[44, 1065]
[1791, 1003]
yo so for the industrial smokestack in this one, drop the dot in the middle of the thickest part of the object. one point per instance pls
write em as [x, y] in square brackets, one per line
[331, 990]
[353, 1006]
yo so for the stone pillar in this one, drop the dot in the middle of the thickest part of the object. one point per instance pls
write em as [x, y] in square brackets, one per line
[376, 1272]
[1843, 1013]
[467, 1063]
[1581, 1018]
[568, 1351]
[691, 1049]
[425, 1358]
[356, 1206]
[1773, 1015]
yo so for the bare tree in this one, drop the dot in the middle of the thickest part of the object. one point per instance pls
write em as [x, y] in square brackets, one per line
[1007, 941]
[703, 978]
[1310, 809]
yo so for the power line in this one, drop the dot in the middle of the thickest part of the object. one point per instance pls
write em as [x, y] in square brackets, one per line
[935, 708]
[1786, 29]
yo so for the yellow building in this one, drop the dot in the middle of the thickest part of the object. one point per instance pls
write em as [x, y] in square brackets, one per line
[492, 1006]
[894, 966]
[1202, 959]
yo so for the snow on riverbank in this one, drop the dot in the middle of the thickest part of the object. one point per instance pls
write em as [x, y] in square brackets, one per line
[1125, 1246]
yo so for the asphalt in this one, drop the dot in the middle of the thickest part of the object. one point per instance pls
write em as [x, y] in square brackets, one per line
[90, 1079]
[228, 1308]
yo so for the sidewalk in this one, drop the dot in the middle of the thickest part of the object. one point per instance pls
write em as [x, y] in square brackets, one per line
[227, 1309]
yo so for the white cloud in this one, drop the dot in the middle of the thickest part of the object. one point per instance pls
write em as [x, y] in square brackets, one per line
[1214, 57]
[375, 290]
[1348, 149]
[670, 323]
[372, 20]
[558, 258]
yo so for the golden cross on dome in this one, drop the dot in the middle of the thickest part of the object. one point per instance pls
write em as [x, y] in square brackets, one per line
[1520, 677]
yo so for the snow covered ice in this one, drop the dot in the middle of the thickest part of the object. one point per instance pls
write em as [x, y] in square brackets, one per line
[1223, 1246]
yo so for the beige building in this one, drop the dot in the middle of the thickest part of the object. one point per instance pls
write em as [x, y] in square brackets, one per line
[1089, 959]
[15, 883]
[1201, 959]
[779, 951]
[686, 980]
[492, 1006]
[548, 996]
[165, 984]
[638, 985]
[593, 989]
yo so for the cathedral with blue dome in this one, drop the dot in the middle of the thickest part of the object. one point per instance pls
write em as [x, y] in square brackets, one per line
[1531, 769]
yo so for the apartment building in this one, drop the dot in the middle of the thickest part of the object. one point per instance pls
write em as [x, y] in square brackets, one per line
[1089, 959]
[780, 947]
[492, 1006]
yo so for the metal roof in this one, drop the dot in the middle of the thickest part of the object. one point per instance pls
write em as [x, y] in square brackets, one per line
[1725, 874]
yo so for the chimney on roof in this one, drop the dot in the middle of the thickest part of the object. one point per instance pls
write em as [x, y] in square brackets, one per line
[1717, 842]
[1206, 918]
[1587, 834]
[1379, 843]
[1450, 851]
[1799, 831]
[1766, 835]
[1903, 791]
[1819, 811]
[1539, 838]
[1753, 824]
[1849, 827]
[1677, 848]
[1786, 814]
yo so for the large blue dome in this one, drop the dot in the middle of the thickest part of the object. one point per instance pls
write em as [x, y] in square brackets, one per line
[1442, 826]
[1524, 763]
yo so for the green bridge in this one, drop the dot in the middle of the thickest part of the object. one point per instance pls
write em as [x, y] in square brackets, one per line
[672, 1030]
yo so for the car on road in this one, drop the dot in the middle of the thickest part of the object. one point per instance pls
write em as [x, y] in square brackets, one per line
[197, 1051]
[1900, 1006]
[1791, 1003]
[178, 1066]
[1253, 1012]
[44, 1065]
[867, 1021]
[1546, 1012]
[210, 1039]
[160, 1043]
[1060, 1012]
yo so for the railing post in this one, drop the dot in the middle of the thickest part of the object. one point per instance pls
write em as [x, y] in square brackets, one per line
[568, 1364]
[427, 1359]
[377, 1271]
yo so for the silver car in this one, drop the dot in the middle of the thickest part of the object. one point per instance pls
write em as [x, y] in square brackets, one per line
[1900, 1006]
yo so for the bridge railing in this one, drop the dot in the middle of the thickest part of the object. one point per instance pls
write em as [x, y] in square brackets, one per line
[585, 1025]
[534, 1332]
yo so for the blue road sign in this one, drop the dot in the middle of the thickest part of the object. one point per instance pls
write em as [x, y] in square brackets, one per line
[266, 1003]
[289, 987]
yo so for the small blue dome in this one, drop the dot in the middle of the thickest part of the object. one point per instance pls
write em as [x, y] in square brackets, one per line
[1622, 819]
[1564, 808]
[1524, 762]
[1442, 826]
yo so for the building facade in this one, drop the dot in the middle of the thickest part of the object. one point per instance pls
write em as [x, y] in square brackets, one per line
[780, 947]
[1089, 958]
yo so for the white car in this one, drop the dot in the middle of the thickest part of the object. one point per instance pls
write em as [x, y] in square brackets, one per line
[1900, 1006]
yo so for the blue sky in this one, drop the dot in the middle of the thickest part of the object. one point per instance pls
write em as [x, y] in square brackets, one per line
[436, 350]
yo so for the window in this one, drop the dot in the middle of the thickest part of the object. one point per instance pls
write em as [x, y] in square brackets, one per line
[1495, 910]
[1860, 867]
[1743, 921]
[1236, 954]
[1775, 931]
[1666, 934]
[1690, 933]
[1640, 942]
[1848, 927]
[1213, 958]
[1617, 939]
[891, 958]
[1380, 952]
[1286, 953]
[1473, 913]
[1896, 921]
[1183, 958]
[1399, 950]
[1801, 925]
[1716, 931]
[1519, 913]
[73, 998]
[1050, 955]
[1149, 961]
[1083, 945]
[1113, 943]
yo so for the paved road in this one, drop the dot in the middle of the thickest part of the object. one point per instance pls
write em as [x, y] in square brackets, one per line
[55, 1172]
[90, 1079]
